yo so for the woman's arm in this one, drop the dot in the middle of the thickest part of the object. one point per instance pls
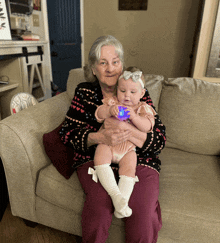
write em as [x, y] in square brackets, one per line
[136, 136]
[108, 136]
[80, 120]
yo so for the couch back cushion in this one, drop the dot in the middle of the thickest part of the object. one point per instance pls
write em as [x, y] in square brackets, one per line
[189, 109]
[153, 83]
[75, 77]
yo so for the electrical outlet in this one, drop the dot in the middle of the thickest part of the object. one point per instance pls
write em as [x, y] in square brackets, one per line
[36, 22]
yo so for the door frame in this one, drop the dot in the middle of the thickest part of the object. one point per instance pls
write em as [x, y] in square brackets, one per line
[82, 31]
[46, 26]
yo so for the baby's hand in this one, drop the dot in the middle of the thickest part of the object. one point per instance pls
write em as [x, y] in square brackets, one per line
[131, 112]
[113, 110]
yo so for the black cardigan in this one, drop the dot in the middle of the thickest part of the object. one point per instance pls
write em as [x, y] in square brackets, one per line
[80, 121]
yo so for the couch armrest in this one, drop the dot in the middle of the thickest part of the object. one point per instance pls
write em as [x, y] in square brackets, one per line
[22, 150]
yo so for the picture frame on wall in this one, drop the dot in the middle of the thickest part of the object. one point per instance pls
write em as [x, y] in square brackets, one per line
[132, 5]
[5, 30]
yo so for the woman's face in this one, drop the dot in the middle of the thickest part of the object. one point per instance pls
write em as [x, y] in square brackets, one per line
[108, 68]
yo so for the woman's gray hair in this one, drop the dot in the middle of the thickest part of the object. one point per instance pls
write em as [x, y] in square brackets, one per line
[95, 53]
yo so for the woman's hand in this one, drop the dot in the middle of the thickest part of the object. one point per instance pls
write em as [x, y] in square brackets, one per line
[136, 136]
[114, 137]
[114, 123]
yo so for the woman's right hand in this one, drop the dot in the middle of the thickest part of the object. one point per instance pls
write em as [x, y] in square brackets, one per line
[114, 137]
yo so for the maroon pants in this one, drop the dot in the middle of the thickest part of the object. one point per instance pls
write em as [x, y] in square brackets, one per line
[145, 221]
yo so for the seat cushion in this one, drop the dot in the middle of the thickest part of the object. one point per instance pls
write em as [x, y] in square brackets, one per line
[59, 154]
[189, 108]
[190, 196]
[67, 194]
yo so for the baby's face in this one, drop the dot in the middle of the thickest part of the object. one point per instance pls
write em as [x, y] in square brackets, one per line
[129, 93]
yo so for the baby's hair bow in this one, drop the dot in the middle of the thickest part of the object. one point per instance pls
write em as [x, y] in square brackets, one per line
[135, 76]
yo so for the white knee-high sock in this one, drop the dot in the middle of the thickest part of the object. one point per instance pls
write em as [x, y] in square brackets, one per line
[107, 179]
[126, 185]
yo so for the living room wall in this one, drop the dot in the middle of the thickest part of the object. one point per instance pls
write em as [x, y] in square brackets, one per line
[159, 40]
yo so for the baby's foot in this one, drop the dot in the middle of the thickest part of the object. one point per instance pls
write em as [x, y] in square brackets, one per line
[121, 206]
[126, 213]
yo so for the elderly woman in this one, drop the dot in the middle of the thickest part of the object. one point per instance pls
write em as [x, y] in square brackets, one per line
[81, 131]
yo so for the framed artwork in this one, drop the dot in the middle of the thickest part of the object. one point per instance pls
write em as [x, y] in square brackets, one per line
[132, 5]
[5, 31]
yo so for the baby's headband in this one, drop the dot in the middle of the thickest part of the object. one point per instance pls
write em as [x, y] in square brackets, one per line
[135, 76]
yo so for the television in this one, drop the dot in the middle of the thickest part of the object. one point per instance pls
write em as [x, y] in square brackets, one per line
[21, 6]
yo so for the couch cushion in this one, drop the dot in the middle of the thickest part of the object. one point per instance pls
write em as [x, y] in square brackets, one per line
[153, 84]
[67, 194]
[189, 196]
[59, 154]
[75, 77]
[189, 109]
[54, 188]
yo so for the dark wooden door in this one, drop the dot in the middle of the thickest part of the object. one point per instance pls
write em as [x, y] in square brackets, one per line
[65, 38]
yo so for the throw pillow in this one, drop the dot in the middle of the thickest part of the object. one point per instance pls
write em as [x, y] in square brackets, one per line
[60, 155]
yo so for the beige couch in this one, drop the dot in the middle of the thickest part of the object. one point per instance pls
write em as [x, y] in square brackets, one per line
[189, 180]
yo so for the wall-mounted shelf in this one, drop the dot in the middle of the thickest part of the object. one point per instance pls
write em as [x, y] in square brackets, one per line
[7, 87]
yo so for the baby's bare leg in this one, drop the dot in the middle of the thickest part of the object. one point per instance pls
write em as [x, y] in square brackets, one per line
[103, 155]
[128, 164]
[102, 161]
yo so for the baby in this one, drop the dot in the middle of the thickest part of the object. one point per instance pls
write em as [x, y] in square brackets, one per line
[126, 107]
